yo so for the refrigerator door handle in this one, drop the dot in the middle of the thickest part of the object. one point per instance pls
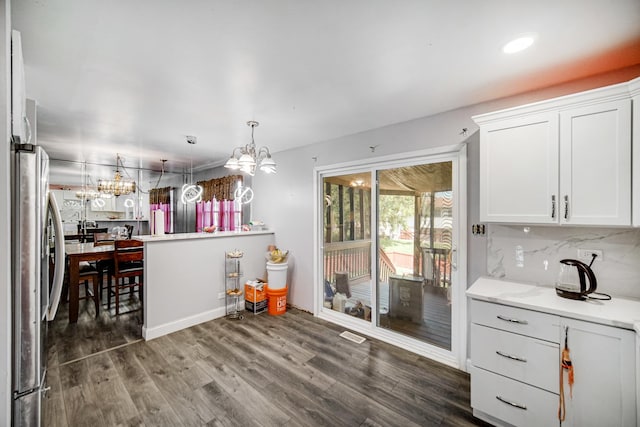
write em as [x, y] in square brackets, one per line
[58, 272]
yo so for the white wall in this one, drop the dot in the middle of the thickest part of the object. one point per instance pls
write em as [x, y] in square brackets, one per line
[5, 218]
[285, 200]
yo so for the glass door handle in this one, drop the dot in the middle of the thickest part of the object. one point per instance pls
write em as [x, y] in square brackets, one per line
[454, 259]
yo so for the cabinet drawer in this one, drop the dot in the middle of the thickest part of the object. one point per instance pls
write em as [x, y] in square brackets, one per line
[512, 401]
[520, 321]
[525, 359]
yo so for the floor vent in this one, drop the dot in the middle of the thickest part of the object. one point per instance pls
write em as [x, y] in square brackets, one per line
[352, 337]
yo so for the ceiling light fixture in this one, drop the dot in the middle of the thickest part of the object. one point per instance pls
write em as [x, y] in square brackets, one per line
[248, 159]
[87, 194]
[519, 44]
[191, 193]
[116, 186]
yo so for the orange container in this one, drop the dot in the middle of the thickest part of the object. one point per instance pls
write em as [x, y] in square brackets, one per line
[277, 301]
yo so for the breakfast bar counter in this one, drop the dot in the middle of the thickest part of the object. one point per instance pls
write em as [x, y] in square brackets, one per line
[184, 275]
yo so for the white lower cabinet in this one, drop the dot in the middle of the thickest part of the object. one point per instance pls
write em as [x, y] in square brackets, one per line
[604, 391]
[512, 402]
[515, 372]
[638, 377]
[515, 356]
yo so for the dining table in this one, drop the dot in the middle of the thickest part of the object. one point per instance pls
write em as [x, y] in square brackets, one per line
[77, 253]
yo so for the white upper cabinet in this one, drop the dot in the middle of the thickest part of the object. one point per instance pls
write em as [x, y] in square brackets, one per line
[519, 170]
[635, 92]
[595, 164]
[563, 161]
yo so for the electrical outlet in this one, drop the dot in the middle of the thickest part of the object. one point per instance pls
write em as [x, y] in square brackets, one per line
[220, 295]
[587, 254]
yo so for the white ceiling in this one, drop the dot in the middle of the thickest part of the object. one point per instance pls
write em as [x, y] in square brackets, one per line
[136, 77]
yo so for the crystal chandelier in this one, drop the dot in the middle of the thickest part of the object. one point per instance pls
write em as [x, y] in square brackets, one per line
[191, 193]
[248, 158]
[116, 186]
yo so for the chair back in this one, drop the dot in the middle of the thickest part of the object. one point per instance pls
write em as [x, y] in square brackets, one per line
[128, 254]
[102, 239]
[129, 228]
[90, 233]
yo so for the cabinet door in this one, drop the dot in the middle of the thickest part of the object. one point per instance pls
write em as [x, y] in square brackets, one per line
[604, 366]
[635, 186]
[638, 377]
[70, 195]
[595, 164]
[519, 170]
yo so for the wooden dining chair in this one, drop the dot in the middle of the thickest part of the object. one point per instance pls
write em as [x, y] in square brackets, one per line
[91, 232]
[105, 265]
[128, 260]
[86, 272]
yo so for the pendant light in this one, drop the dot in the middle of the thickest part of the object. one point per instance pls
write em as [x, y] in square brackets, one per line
[191, 193]
[248, 158]
[116, 186]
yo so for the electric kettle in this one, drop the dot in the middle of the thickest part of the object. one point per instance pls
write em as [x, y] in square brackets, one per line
[573, 278]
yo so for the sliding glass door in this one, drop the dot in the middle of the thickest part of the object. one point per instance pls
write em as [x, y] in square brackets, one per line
[390, 237]
[414, 249]
[347, 244]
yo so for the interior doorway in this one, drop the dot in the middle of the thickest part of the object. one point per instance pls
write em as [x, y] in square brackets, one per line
[390, 247]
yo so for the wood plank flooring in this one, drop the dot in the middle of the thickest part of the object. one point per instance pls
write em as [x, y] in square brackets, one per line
[289, 370]
[70, 341]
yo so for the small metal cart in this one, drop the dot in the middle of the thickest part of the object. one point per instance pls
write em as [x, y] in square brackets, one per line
[232, 290]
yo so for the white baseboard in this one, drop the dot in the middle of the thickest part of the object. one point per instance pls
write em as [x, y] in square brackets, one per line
[176, 325]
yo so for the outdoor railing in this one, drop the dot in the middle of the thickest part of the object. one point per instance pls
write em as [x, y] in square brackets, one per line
[353, 257]
[386, 267]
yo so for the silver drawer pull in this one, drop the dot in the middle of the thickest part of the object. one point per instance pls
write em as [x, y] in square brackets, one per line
[510, 356]
[508, 319]
[515, 405]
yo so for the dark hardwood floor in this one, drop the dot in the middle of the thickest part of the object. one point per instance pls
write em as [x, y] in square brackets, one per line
[289, 370]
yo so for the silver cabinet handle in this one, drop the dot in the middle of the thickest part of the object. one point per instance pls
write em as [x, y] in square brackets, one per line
[509, 319]
[566, 207]
[553, 206]
[511, 356]
[515, 405]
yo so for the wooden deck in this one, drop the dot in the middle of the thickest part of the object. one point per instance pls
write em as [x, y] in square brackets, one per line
[436, 314]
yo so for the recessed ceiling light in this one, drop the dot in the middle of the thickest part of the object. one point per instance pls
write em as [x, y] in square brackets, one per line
[516, 45]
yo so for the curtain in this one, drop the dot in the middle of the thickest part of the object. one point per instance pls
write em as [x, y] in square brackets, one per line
[160, 199]
[217, 207]
[220, 188]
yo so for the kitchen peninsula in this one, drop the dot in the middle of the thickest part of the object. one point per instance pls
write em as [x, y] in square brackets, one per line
[184, 275]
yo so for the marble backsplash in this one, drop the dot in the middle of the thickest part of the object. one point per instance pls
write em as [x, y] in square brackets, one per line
[533, 254]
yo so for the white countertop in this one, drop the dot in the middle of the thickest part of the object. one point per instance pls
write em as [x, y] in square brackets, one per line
[188, 236]
[120, 220]
[619, 312]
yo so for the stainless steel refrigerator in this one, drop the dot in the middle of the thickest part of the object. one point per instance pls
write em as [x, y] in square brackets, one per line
[37, 272]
